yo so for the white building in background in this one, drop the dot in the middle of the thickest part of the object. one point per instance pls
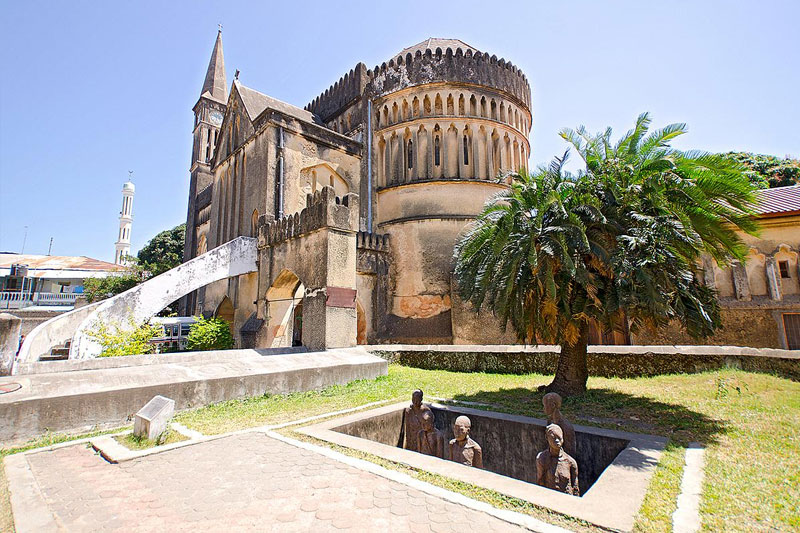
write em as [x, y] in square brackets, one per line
[123, 244]
[50, 281]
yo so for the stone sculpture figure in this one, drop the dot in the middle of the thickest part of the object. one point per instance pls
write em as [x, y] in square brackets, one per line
[430, 439]
[556, 469]
[463, 449]
[552, 409]
[413, 420]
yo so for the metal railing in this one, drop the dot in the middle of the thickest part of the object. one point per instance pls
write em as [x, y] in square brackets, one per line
[19, 300]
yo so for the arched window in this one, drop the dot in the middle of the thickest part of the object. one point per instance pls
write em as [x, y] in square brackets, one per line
[436, 153]
[410, 154]
[254, 223]
[466, 150]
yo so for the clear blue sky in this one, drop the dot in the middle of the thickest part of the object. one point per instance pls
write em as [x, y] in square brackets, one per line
[92, 90]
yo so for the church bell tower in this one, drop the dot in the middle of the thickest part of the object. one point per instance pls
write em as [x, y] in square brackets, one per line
[208, 113]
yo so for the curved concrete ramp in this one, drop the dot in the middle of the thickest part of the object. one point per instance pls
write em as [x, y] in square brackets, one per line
[138, 304]
[54, 332]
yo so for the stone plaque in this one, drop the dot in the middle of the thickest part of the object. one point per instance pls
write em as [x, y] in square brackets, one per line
[152, 419]
[340, 297]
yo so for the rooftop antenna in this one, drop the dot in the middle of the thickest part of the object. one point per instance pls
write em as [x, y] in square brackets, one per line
[49, 248]
[24, 239]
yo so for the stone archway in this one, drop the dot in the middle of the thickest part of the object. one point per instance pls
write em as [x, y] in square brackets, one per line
[225, 312]
[310, 257]
[361, 324]
[284, 304]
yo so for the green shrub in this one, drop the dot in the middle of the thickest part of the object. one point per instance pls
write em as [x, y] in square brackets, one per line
[210, 334]
[117, 341]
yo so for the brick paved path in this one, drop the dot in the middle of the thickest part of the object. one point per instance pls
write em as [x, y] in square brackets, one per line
[247, 482]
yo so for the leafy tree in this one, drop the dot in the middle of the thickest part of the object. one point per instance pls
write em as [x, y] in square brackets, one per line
[209, 334]
[619, 241]
[161, 253]
[767, 170]
[101, 288]
[117, 341]
[164, 251]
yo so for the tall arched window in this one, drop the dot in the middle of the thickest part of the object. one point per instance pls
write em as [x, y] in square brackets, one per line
[254, 223]
[436, 154]
[410, 154]
[466, 150]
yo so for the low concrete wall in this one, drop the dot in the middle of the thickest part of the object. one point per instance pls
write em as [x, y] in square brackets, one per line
[9, 341]
[509, 443]
[84, 399]
[605, 361]
[100, 363]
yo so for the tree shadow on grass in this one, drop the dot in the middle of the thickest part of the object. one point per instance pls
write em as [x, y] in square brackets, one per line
[611, 409]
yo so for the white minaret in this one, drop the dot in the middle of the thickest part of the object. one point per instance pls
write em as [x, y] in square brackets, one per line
[123, 244]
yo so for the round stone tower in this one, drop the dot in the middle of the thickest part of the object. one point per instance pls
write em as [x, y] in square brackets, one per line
[447, 120]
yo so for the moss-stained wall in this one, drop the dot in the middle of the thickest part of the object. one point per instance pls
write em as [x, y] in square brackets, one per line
[753, 327]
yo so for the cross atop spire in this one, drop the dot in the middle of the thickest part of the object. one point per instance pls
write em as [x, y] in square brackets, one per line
[215, 85]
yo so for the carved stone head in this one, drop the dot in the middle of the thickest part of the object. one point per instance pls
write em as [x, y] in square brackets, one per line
[552, 403]
[416, 398]
[427, 421]
[555, 437]
[461, 428]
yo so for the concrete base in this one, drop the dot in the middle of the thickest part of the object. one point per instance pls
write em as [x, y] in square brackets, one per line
[612, 501]
[106, 397]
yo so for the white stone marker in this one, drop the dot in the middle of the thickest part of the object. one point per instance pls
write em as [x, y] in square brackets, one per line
[152, 419]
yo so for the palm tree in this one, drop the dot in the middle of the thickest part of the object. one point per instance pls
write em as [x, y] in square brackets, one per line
[619, 242]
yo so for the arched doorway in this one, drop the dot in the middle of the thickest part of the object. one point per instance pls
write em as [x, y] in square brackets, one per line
[285, 311]
[225, 312]
[361, 325]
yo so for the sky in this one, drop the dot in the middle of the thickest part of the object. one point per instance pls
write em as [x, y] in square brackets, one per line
[91, 90]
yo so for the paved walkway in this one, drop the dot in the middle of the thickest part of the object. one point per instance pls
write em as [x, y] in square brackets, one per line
[245, 482]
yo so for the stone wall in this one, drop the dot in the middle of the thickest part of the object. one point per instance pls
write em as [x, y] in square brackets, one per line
[604, 361]
[753, 326]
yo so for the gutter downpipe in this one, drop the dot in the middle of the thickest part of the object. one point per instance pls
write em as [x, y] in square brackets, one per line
[280, 174]
[369, 166]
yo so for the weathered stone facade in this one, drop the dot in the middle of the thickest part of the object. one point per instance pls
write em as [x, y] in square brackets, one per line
[761, 297]
[410, 150]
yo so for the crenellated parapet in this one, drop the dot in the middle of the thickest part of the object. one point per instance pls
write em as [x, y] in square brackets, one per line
[449, 65]
[323, 210]
[340, 94]
[372, 241]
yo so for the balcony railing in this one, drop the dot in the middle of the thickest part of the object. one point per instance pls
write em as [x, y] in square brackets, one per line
[19, 300]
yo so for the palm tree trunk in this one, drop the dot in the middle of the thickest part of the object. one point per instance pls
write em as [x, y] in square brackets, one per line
[572, 372]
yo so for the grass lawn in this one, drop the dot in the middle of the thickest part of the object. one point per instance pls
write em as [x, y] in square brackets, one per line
[749, 423]
[135, 443]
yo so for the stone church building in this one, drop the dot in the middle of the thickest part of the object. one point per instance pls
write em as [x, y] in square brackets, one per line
[358, 198]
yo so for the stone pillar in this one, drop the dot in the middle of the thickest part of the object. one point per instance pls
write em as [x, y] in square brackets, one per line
[708, 273]
[489, 156]
[741, 285]
[9, 341]
[415, 170]
[773, 279]
[429, 155]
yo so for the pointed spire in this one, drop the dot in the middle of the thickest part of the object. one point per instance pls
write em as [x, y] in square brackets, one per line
[215, 86]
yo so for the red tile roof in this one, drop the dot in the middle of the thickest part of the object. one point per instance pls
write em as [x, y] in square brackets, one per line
[56, 262]
[778, 201]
